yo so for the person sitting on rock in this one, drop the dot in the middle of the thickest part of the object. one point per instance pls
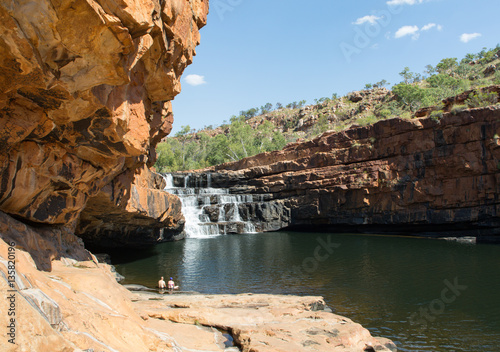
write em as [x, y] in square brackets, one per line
[161, 284]
[171, 285]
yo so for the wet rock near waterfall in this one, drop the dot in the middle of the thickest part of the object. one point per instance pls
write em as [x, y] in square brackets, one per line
[267, 216]
[210, 209]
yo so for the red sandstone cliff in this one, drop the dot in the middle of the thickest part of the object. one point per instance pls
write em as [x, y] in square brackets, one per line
[85, 90]
[421, 175]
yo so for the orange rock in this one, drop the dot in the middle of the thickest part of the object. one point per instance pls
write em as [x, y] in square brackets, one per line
[84, 97]
[132, 210]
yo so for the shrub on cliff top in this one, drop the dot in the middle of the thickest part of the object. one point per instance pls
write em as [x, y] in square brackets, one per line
[456, 109]
[436, 115]
[482, 99]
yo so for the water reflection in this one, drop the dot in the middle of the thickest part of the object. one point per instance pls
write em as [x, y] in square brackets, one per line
[377, 281]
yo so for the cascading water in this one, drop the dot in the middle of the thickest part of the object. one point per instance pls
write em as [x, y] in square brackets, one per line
[208, 211]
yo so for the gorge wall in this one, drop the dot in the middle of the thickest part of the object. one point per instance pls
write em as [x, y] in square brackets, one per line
[85, 91]
[438, 177]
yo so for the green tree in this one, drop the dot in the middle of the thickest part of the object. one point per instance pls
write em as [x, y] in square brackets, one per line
[166, 159]
[240, 139]
[248, 114]
[444, 86]
[430, 70]
[184, 136]
[409, 77]
[464, 70]
[321, 125]
[381, 84]
[218, 150]
[482, 99]
[488, 57]
[266, 108]
[447, 65]
[411, 96]
[482, 53]
[469, 58]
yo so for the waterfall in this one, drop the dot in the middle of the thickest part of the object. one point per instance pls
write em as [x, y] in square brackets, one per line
[208, 211]
[169, 179]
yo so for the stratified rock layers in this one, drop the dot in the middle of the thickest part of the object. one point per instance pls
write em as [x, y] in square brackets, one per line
[420, 175]
[132, 211]
[85, 90]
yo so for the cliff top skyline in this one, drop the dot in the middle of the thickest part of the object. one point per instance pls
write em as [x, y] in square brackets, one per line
[256, 52]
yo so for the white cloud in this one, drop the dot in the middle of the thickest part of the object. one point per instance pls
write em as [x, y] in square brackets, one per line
[414, 31]
[428, 26]
[467, 37]
[407, 30]
[195, 80]
[372, 19]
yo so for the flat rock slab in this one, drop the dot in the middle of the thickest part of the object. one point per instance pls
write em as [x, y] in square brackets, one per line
[257, 323]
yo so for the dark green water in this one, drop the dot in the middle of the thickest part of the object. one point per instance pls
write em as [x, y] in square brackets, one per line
[426, 295]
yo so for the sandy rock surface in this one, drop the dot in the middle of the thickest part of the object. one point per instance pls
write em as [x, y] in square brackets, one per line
[261, 323]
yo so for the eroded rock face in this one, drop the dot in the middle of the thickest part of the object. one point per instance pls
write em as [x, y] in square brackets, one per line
[85, 90]
[421, 175]
[132, 211]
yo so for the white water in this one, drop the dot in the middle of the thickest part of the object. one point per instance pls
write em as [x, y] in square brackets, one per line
[170, 181]
[194, 201]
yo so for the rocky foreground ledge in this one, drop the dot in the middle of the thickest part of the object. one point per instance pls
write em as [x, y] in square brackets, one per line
[256, 323]
[56, 297]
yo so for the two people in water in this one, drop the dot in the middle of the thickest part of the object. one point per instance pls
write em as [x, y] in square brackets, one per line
[170, 285]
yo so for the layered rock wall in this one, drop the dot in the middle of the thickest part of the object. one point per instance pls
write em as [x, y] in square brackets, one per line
[424, 175]
[131, 211]
[85, 90]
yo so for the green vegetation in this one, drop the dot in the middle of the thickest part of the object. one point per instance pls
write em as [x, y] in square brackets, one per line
[456, 109]
[188, 150]
[436, 115]
[482, 99]
[269, 127]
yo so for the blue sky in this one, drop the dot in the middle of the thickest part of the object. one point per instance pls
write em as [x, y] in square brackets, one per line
[256, 51]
